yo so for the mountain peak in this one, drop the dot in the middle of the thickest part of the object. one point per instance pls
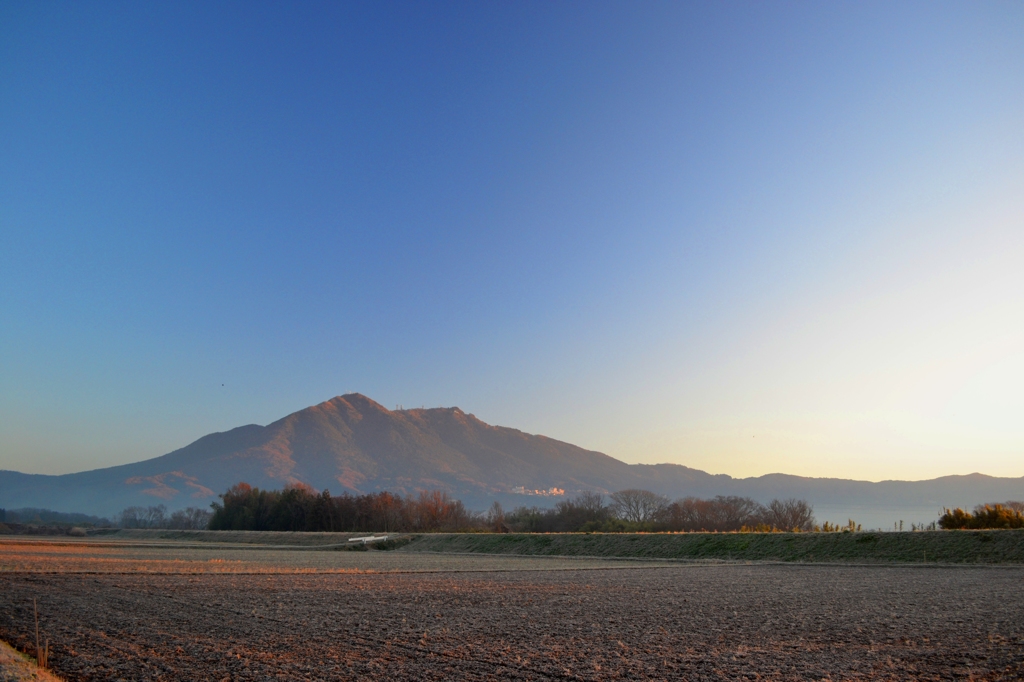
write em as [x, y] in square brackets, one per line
[358, 401]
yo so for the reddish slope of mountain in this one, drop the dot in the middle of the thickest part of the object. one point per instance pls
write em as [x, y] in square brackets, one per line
[353, 443]
[349, 443]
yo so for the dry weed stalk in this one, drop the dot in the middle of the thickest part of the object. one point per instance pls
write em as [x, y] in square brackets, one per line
[41, 653]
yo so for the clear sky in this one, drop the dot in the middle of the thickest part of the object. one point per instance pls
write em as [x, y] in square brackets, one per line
[746, 237]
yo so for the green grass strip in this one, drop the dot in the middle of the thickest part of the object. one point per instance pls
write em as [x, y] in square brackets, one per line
[974, 547]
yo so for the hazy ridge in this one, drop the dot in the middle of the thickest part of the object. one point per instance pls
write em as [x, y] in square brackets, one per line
[351, 443]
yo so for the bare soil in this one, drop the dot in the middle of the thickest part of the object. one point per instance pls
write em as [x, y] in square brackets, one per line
[693, 622]
[70, 555]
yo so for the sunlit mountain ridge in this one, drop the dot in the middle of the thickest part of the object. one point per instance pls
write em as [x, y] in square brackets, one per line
[353, 444]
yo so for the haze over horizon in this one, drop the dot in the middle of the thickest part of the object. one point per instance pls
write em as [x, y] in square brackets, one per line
[741, 237]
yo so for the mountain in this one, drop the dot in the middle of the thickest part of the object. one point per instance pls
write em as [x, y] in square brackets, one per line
[353, 444]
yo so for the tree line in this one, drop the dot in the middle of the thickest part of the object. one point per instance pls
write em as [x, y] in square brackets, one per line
[32, 515]
[300, 508]
[192, 518]
[1006, 515]
[642, 510]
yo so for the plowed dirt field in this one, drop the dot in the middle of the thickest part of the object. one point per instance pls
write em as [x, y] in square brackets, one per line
[581, 621]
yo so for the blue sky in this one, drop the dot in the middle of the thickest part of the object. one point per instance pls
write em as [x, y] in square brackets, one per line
[745, 237]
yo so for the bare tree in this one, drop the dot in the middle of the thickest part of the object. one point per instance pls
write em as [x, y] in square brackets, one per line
[457, 516]
[723, 513]
[789, 515]
[496, 518]
[131, 517]
[143, 517]
[155, 516]
[431, 509]
[192, 518]
[592, 504]
[638, 506]
[729, 513]
[737, 512]
[574, 513]
[388, 510]
[437, 510]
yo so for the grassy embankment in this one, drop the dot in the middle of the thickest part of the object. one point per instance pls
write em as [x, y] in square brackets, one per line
[953, 546]
[985, 547]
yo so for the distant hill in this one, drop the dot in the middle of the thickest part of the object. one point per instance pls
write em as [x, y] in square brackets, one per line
[351, 443]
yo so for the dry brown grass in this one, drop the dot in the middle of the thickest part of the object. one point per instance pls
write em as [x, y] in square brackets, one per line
[95, 557]
[18, 667]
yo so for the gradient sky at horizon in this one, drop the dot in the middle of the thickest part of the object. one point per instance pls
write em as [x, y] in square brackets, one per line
[744, 237]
